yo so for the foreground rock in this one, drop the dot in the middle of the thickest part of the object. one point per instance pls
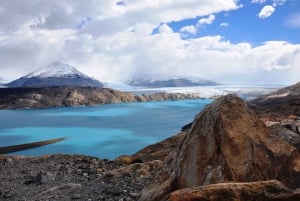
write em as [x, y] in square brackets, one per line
[252, 191]
[46, 97]
[226, 143]
[72, 177]
[157, 151]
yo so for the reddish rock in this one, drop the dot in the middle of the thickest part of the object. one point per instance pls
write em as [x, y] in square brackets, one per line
[226, 143]
[252, 191]
[280, 104]
[157, 151]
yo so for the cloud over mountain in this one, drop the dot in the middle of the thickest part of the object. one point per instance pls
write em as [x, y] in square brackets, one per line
[112, 40]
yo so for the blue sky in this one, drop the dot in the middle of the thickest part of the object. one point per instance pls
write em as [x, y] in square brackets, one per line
[228, 41]
[245, 25]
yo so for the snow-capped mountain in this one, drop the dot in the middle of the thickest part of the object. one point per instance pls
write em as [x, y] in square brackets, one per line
[1, 83]
[56, 74]
[157, 81]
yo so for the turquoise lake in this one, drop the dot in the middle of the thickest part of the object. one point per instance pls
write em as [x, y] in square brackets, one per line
[104, 131]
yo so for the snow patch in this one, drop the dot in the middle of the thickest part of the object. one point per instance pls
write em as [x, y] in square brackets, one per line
[244, 91]
[57, 69]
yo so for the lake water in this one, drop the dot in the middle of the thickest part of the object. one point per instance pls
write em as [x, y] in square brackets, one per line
[104, 131]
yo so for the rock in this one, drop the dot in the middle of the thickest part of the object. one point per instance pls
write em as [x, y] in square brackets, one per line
[57, 190]
[226, 143]
[252, 191]
[136, 170]
[160, 150]
[39, 178]
[133, 195]
[127, 159]
[280, 104]
[76, 196]
[286, 134]
[71, 177]
[9, 194]
[112, 190]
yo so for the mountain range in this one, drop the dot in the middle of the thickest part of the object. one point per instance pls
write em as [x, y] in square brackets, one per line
[61, 74]
[56, 74]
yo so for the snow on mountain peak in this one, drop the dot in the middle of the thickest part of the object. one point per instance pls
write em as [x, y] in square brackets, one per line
[56, 69]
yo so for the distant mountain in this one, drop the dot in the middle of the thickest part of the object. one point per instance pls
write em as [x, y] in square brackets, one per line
[280, 103]
[168, 81]
[57, 74]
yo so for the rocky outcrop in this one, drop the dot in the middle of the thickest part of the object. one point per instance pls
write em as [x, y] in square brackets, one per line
[226, 143]
[157, 151]
[279, 104]
[252, 191]
[46, 97]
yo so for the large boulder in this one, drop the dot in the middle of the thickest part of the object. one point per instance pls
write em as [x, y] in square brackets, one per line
[226, 143]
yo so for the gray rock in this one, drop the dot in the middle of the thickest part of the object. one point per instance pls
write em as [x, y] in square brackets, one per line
[112, 190]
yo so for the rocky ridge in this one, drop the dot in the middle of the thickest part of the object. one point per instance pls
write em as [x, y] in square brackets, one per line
[279, 104]
[46, 97]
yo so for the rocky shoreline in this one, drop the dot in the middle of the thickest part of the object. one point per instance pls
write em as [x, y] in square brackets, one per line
[47, 97]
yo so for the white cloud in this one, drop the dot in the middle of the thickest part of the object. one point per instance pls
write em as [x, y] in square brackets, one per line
[278, 2]
[164, 28]
[224, 24]
[275, 2]
[258, 1]
[266, 11]
[193, 29]
[116, 41]
[189, 29]
[209, 20]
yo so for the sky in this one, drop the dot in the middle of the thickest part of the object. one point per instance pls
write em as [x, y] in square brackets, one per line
[228, 41]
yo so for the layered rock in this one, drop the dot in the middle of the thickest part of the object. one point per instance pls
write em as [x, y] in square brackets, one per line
[157, 151]
[226, 143]
[252, 191]
[46, 97]
[279, 104]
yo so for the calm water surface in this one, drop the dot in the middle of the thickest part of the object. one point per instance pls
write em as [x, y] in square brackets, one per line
[105, 131]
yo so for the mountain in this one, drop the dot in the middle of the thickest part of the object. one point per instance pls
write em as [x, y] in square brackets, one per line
[1, 83]
[157, 81]
[56, 74]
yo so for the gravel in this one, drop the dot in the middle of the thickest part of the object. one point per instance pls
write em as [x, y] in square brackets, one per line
[72, 177]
